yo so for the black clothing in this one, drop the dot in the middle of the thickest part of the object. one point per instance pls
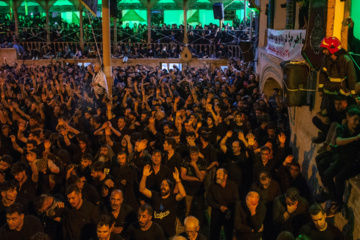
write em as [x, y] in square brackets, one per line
[154, 232]
[200, 236]
[31, 226]
[80, 224]
[330, 233]
[193, 188]
[165, 212]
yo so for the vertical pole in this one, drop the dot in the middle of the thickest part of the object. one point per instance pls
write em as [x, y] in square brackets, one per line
[115, 32]
[26, 8]
[251, 19]
[244, 20]
[185, 23]
[11, 6]
[47, 22]
[81, 27]
[107, 43]
[148, 22]
[16, 19]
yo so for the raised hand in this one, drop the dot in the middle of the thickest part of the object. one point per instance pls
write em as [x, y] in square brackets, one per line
[282, 138]
[176, 175]
[229, 134]
[147, 171]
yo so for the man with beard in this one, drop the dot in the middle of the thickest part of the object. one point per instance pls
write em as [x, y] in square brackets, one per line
[105, 155]
[81, 219]
[102, 181]
[145, 228]
[125, 180]
[18, 225]
[222, 197]
[165, 203]
[122, 215]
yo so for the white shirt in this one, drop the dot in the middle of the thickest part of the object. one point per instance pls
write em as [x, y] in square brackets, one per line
[100, 79]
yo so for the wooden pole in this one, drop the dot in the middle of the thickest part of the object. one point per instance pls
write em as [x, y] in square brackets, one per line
[107, 43]
[244, 20]
[115, 33]
[47, 22]
[185, 23]
[148, 22]
[16, 19]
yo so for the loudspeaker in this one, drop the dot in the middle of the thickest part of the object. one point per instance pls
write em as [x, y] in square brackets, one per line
[295, 83]
[218, 9]
[113, 8]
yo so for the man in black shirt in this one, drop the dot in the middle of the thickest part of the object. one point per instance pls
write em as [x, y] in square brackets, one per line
[19, 226]
[102, 181]
[145, 228]
[165, 203]
[104, 229]
[222, 197]
[319, 229]
[81, 219]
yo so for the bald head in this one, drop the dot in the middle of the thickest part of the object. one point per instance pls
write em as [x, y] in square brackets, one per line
[179, 238]
[191, 227]
[191, 221]
[116, 199]
[253, 198]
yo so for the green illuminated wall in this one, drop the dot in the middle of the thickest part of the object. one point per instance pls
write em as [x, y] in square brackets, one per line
[355, 6]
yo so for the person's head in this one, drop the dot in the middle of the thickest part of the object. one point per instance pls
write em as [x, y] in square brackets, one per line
[194, 153]
[236, 147]
[19, 171]
[86, 160]
[340, 103]
[30, 145]
[353, 117]
[145, 214]
[166, 187]
[271, 129]
[265, 153]
[121, 158]
[285, 235]
[8, 192]
[104, 151]
[97, 170]
[318, 216]
[156, 157]
[5, 162]
[265, 179]
[15, 216]
[97, 67]
[190, 136]
[166, 129]
[292, 196]
[74, 196]
[253, 198]
[121, 122]
[294, 170]
[40, 236]
[192, 227]
[104, 227]
[330, 45]
[169, 144]
[221, 176]
[205, 137]
[116, 199]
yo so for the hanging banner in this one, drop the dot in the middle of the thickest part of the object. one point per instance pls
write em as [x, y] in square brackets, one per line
[286, 44]
[91, 5]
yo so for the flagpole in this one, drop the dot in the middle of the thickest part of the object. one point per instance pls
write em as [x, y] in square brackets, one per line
[107, 43]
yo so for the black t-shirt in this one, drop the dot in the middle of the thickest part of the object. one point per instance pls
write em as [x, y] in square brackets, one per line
[194, 187]
[165, 212]
[200, 236]
[154, 180]
[350, 151]
[31, 226]
[174, 161]
[330, 233]
[154, 232]
[28, 189]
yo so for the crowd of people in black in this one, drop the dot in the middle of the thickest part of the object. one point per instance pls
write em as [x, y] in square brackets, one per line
[131, 40]
[164, 150]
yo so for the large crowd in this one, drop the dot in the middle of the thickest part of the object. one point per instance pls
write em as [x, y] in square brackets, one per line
[166, 39]
[191, 154]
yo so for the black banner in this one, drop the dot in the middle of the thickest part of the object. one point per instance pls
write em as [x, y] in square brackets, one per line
[91, 5]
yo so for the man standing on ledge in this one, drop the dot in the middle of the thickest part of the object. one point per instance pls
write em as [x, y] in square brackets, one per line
[99, 83]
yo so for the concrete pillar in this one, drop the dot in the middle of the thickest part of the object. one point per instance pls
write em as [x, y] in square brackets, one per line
[148, 21]
[107, 43]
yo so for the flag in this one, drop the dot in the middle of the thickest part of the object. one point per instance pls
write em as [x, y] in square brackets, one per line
[91, 5]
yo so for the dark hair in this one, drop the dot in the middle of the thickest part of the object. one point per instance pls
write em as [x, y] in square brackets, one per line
[285, 235]
[205, 136]
[122, 153]
[156, 151]
[265, 148]
[15, 208]
[315, 209]
[18, 167]
[271, 125]
[105, 220]
[7, 158]
[266, 174]
[174, 134]
[73, 179]
[194, 149]
[72, 188]
[353, 110]
[40, 236]
[295, 164]
[8, 185]
[171, 184]
[98, 167]
[33, 142]
[87, 156]
[171, 141]
[293, 194]
[190, 134]
[146, 207]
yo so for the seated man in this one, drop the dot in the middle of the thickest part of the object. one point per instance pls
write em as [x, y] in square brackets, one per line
[18, 225]
[319, 229]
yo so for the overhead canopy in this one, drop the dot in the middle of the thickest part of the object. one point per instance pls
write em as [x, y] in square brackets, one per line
[131, 15]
